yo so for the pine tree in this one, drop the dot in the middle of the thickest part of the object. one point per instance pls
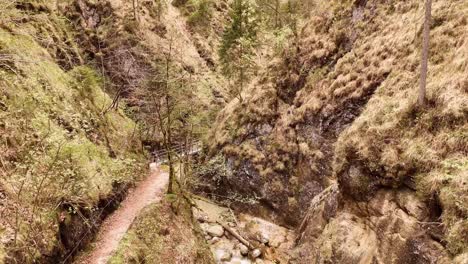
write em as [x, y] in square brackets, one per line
[271, 10]
[238, 45]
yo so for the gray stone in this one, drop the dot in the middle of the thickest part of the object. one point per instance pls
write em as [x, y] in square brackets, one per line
[204, 227]
[215, 230]
[236, 253]
[237, 260]
[262, 238]
[199, 215]
[226, 256]
[214, 240]
[276, 240]
[243, 249]
[255, 253]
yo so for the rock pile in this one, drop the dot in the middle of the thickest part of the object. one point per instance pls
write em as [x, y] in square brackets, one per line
[264, 242]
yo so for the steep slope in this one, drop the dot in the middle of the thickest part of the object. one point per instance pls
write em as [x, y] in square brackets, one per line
[331, 139]
[408, 164]
[131, 45]
[70, 152]
[65, 163]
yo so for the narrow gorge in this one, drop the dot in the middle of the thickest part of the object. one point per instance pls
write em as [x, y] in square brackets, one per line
[234, 131]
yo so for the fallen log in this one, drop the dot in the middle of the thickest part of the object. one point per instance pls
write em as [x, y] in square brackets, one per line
[236, 235]
[226, 227]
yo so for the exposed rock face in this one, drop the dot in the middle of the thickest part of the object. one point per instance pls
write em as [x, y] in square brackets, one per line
[392, 227]
[333, 126]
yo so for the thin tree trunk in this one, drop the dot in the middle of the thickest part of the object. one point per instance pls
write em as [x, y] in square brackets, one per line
[277, 14]
[135, 11]
[239, 92]
[170, 189]
[241, 55]
[425, 54]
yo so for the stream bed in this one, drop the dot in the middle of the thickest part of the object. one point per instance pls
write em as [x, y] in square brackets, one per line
[242, 238]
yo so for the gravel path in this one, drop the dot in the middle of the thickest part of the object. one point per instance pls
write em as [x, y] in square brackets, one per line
[114, 227]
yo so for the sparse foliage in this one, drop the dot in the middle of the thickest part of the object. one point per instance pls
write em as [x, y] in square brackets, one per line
[202, 14]
[237, 51]
[272, 11]
[166, 101]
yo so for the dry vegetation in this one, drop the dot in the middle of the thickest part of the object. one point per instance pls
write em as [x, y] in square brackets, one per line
[69, 150]
[62, 159]
[346, 91]
[161, 236]
[337, 106]
[130, 45]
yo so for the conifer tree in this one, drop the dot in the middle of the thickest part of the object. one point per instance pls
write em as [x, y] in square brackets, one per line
[237, 49]
[272, 12]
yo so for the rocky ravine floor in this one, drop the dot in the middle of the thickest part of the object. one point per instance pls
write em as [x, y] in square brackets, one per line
[269, 243]
[266, 242]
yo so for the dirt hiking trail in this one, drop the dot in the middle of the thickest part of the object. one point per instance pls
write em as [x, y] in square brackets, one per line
[113, 229]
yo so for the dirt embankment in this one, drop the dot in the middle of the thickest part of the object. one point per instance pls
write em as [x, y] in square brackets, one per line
[116, 225]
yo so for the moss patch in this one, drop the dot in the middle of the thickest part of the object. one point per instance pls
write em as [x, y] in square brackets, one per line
[161, 236]
[58, 146]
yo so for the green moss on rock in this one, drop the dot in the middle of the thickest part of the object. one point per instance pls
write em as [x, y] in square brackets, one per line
[161, 236]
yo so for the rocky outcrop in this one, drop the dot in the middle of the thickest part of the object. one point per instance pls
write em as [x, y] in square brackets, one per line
[393, 227]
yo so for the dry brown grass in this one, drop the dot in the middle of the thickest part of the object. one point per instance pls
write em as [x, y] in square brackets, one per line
[355, 71]
[396, 141]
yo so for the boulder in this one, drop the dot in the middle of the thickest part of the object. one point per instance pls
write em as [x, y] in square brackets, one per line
[214, 240]
[244, 250]
[255, 253]
[204, 227]
[199, 215]
[237, 260]
[225, 256]
[215, 230]
[263, 238]
[236, 253]
[277, 240]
